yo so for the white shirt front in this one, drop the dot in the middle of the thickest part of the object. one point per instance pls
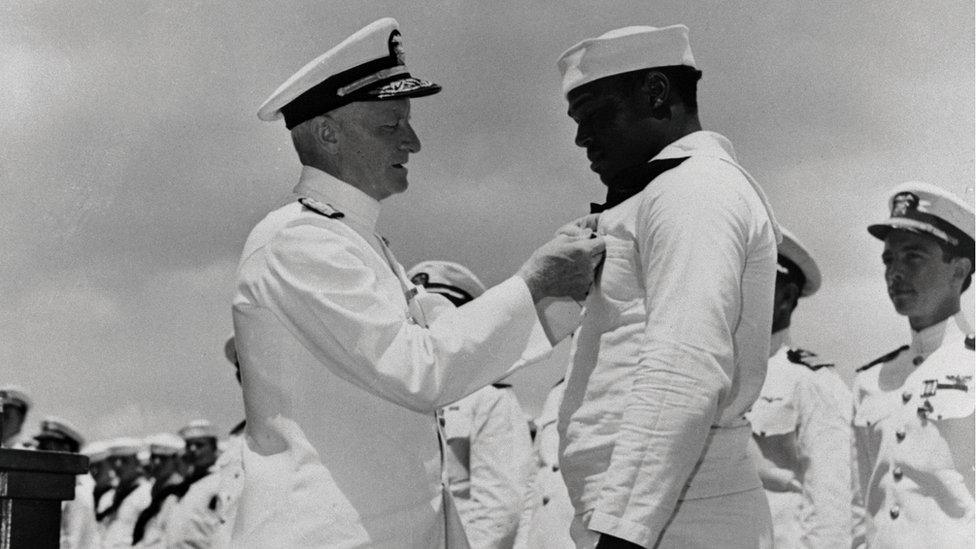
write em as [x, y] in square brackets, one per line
[341, 384]
[673, 345]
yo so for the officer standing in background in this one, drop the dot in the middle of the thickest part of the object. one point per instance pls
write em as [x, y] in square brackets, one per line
[194, 521]
[131, 495]
[673, 345]
[913, 418]
[78, 527]
[488, 460]
[14, 405]
[802, 422]
[344, 361]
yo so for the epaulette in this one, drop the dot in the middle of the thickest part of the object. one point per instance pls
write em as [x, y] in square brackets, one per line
[321, 208]
[502, 385]
[802, 356]
[884, 358]
[970, 342]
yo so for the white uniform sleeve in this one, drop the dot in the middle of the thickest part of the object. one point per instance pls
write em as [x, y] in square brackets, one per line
[500, 470]
[692, 245]
[824, 444]
[323, 291]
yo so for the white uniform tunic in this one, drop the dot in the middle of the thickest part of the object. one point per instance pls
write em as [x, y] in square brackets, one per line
[79, 530]
[914, 433]
[802, 422]
[117, 527]
[671, 353]
[341, 386]
[489, 464]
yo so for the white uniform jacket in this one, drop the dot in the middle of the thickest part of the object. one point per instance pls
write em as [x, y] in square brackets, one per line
[673, 346]
[79, 530]
[914, 433]
[489, 466]
[193, 521]
[802, 423]
[341, 384]
[117, 527]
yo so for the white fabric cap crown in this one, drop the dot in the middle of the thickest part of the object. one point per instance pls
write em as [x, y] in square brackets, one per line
[793, 250]
[15, 394]
[124, 447]
[198, 428]
[57, 428]
[922, 207]
[96, 450]
[367, 66]
[624, 50]
[453, 280]
[165, 444]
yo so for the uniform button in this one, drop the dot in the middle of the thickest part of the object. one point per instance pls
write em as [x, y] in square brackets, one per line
[900, 434]
[906, 396]
[897, 473]
[894, 511]
[918, 360]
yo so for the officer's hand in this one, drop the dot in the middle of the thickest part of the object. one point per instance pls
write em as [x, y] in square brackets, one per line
[581, 227]
[563, 267]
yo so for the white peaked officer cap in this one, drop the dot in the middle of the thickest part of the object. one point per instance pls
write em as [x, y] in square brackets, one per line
[96, 450]
[794, 256]
[452, 280]
[57, 428]
[165, 444]
[367, 66]
[125, 446]
[15, 395]
[199, 428]
[624, 50]
[922, 207]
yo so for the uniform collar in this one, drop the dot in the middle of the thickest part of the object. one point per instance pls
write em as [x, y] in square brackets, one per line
[356, 206]
[778, 341]
[700, 142]
[927, 340]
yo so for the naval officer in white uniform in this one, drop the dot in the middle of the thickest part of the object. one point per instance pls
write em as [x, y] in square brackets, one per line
[673, 344]
[344, 361]
[802, 422]
[913, 417]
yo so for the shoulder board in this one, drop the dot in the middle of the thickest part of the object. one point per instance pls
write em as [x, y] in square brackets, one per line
[502, 385]
[884, 358]
[321, 208]
[970, 342]
[804, 357]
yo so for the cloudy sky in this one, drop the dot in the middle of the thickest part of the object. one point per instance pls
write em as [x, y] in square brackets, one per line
[133, 164]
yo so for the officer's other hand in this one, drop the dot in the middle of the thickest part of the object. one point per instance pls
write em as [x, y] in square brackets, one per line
[582, 227]
[563, 267]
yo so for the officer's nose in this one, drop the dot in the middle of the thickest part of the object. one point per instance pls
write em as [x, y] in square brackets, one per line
[411, 142]
[582, 137]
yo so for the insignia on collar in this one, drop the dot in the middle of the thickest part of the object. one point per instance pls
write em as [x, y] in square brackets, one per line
[970, 342]
[884, 358]
[321, 208]
[806, 358]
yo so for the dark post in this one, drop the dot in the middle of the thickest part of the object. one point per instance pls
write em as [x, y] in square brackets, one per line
[32, 486]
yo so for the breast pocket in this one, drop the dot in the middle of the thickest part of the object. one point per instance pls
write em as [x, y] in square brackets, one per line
[620, 279]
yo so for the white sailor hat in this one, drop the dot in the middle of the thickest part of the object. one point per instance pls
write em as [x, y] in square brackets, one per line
[124, 447]
[57, 428]
[16, 395]
[165, 444]
[367, 66]
[452, 280]
[96, 450]
[922, 207]
[624, 50]
[794, 259]
[198, 428]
